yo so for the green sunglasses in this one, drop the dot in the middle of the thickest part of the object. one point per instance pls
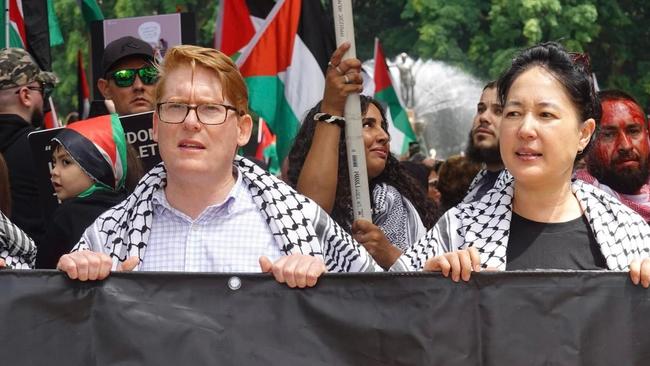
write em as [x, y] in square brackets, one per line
[126, 77]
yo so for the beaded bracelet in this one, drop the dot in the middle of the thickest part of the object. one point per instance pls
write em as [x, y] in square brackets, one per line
[328, 118]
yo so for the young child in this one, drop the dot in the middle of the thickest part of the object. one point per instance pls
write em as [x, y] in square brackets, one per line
[88, 174]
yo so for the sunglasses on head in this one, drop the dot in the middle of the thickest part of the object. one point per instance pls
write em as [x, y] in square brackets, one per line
[126, 77]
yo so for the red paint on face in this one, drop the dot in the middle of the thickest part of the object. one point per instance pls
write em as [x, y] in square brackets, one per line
[623, 142]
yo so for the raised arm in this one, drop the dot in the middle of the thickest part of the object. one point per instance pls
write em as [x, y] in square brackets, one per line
[319, 174]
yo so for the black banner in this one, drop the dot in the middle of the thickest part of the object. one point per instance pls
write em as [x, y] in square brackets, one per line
[507, 318]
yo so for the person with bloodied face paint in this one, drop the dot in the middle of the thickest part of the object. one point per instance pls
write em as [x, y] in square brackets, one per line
[618, 163]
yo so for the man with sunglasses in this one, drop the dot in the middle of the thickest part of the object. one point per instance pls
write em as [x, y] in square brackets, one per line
[129, 76]
[24, 88]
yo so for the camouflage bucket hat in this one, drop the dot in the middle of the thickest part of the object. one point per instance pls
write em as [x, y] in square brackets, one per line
[17, 68]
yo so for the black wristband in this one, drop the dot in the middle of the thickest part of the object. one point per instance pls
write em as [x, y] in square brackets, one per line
[328, 118]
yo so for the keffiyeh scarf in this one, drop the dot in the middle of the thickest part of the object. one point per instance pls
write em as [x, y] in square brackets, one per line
[297, 223]
[476, 185]
[396, 216]
[621, 234]
[642, 209]
[16, 248]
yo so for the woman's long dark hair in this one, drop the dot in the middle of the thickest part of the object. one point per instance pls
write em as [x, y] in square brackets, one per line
[393, 174]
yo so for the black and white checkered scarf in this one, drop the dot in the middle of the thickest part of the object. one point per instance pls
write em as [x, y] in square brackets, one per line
[476, 185]
[297, 223]
[396, 216]
[621, 234]
[16, 248]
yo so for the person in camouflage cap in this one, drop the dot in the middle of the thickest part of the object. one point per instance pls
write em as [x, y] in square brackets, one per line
[24, 88]
[17, 68]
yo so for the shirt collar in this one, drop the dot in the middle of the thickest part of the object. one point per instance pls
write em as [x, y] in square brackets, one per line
[229, 205]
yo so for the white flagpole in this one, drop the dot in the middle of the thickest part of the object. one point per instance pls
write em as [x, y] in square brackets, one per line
[7, 22]
[344, 29]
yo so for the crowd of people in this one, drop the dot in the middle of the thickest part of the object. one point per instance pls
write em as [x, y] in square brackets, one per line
[555, 176]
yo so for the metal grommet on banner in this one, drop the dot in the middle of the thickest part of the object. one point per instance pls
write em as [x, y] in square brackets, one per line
[234, 283]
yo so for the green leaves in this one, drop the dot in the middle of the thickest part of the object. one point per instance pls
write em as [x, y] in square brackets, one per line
[480, 36]
[483, 36]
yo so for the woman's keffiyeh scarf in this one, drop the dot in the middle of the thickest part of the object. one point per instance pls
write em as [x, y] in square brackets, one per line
[396, 216]
[621, 234]
[16, 248]
[296, 222]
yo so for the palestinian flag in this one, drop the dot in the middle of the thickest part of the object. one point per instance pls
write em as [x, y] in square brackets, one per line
[90, 11]
[98, 145]
[50, 119]
[284, 67]
[237, 23]
[83, 93]
[17, 31]
[56, 38]
[266, 147]
[30, 30]
[399, 126]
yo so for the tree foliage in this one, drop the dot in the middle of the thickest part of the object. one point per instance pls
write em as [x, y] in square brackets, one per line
[480, 36]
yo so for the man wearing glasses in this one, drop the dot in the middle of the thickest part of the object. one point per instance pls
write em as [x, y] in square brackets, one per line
[24, 88]
[204, 209]
[129, 77]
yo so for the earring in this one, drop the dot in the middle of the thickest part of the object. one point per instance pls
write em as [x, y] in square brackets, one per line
[580, 151]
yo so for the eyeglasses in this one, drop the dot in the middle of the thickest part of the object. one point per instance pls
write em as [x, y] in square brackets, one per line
[45, 89]
[126, 77]
[208, 113]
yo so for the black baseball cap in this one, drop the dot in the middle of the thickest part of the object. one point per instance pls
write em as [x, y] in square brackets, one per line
[123, 47]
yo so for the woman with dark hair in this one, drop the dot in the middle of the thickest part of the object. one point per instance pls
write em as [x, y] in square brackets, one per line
[318, 169]
[536, 217]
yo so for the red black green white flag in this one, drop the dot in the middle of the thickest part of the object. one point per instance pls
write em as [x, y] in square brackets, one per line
[266, 147]
[237, 23]
[83, 93]
[29, 29]
[285, 64]
[399, 126]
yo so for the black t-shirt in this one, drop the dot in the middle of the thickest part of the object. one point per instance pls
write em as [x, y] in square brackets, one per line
[565, 245]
